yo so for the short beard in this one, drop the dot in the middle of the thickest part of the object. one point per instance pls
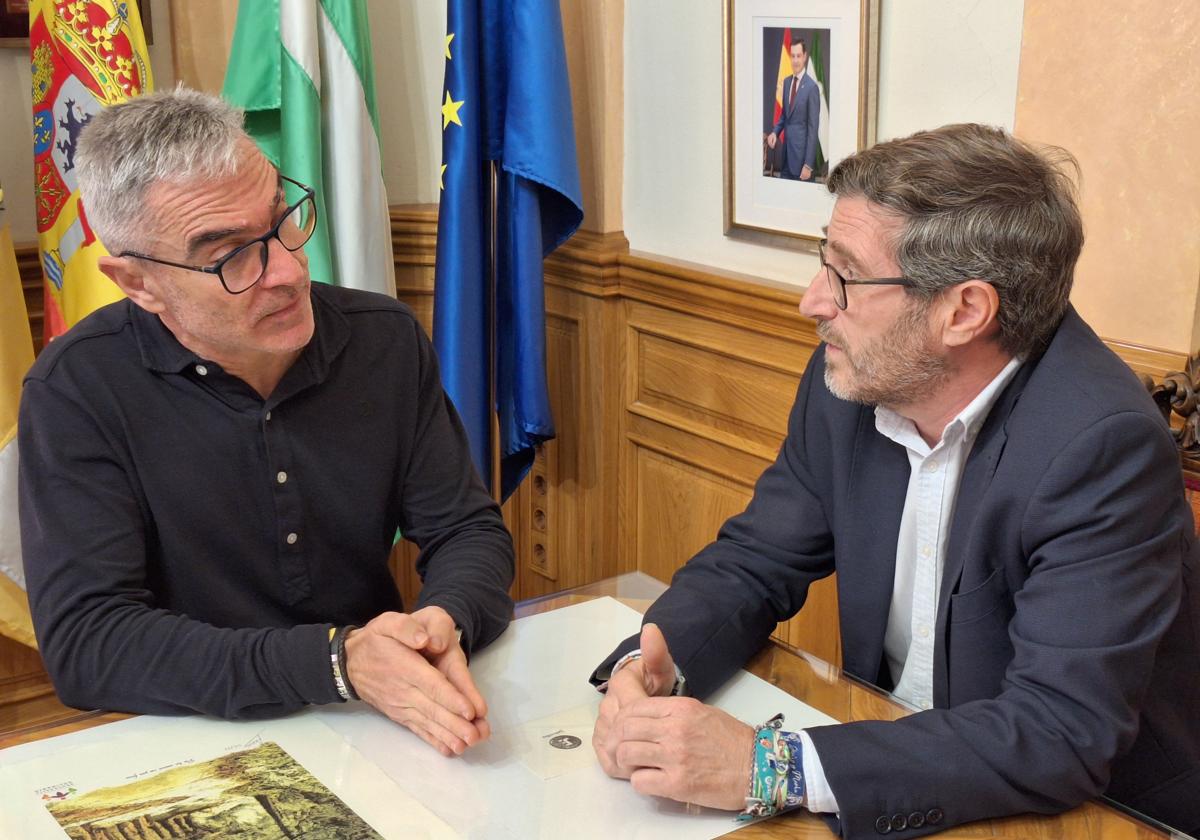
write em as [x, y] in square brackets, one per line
[896, 369]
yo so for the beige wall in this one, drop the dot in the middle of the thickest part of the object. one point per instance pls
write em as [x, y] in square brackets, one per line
[1117, 85]
[593, 33]
[16, 126]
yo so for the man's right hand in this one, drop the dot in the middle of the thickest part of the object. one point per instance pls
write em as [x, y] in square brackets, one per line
[388, 669]
[771, 140]
[651, 676]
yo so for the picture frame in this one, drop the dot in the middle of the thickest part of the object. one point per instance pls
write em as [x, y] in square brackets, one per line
[14, 23]
[808, 65]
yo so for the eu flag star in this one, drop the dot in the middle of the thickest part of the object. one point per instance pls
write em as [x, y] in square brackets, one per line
[449, 38]
[442, 178]
[450, 111]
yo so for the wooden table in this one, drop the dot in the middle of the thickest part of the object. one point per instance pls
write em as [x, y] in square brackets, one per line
[806, 677]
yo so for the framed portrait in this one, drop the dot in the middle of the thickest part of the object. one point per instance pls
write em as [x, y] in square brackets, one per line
[800, 95]
[14, 22]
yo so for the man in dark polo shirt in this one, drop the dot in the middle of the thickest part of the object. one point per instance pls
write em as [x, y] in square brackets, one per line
[213, 471]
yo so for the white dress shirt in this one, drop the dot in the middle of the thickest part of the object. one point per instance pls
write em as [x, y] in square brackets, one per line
[934, 475]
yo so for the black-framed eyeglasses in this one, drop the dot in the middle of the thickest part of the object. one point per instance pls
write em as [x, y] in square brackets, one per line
[245, 265]
[838, 283]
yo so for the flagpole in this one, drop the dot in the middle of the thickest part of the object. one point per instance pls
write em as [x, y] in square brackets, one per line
[493, 415]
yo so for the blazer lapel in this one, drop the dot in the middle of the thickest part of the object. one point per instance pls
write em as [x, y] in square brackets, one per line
[977, 476]
[866, 546]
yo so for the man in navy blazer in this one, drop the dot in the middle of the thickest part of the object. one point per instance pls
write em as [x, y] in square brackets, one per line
[1004, 510]
[799, 119]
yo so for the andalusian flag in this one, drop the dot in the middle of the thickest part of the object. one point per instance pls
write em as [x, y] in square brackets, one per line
[303, 72]
[85, 55]
[817, 74]
[16, 355]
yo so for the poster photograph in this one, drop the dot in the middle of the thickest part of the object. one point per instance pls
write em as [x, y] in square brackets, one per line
[203, 778]
[800, 95]
[259, 793]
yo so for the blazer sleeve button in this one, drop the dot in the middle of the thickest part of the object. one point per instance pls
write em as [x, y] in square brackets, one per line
[934, 816]
[883, 825]
[916, 819]
[899, 822]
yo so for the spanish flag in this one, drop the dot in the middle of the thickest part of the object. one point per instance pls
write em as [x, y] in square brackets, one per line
[85, 55]
[16, 355]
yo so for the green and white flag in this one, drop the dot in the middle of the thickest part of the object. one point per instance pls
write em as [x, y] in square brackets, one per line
[814, 72]
[302, 70]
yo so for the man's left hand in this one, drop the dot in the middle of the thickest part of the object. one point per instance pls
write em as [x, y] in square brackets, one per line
[685, 750]
[805, 173]
[444, 652]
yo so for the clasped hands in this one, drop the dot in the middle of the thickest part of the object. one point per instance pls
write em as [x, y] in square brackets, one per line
[675, 747]
[411, 668]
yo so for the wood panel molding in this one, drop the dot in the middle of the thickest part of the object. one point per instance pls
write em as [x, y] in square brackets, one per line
[602, 265]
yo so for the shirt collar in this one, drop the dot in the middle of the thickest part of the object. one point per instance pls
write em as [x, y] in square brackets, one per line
[160, 349]
[966, 424]
[162, 353]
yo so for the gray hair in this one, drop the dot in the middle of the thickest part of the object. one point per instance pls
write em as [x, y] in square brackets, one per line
[174, 135]
[977, 203]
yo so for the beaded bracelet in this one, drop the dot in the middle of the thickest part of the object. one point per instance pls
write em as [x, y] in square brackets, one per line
[776, 774]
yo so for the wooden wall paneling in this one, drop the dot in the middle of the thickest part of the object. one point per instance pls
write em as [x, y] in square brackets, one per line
[414, 244]
[30, 268]
[677, 504]
[721, 382]
[26, 695]
[708, 404]
[550, 506]
[568, 523]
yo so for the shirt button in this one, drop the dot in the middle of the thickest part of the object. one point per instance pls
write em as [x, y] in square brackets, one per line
[292, 537]
[281, 476]
[268, 417]
[931, 466]
[925, 704]
[202, 370]
[925, 551]
[923, 631]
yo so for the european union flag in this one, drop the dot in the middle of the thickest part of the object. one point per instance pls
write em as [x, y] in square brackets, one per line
[507, 99]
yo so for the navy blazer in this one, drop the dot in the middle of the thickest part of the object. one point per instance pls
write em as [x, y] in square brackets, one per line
[799, 120]
[1067, 656]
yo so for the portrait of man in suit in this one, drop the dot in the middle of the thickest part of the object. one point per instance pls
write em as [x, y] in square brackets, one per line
[798, 122]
